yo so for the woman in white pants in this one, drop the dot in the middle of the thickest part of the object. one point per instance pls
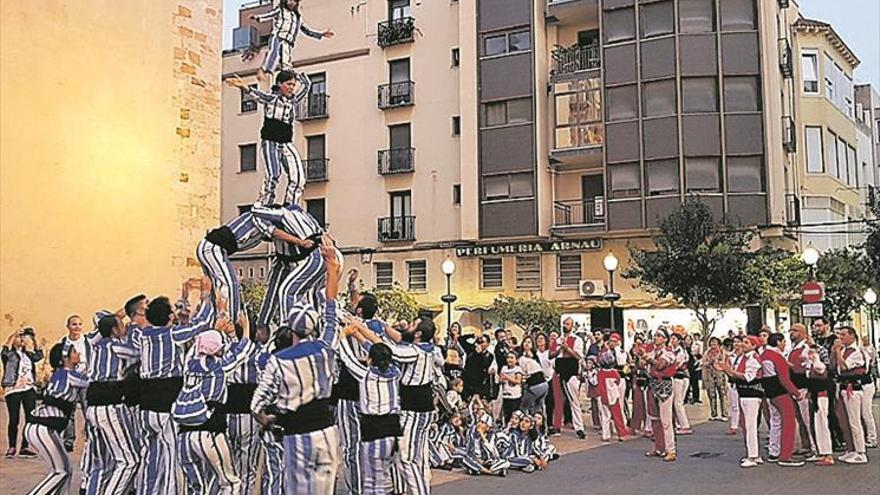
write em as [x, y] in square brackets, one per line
[817, 384]
[732, 395]
[747, 377]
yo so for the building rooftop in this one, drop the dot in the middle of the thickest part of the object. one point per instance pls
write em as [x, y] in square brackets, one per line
[804, 24]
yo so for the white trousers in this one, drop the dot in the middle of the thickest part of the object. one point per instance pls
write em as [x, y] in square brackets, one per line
[679, 391]
[115, 458]
[666, 413]
[750, 408]
[820, 426]
[50, 449]
[733, 400]
[868, 414]
[311, 461]
[775, 431]
[852, 402]
[572, 388]
[243, 435]
[207, 463]
[158, 454]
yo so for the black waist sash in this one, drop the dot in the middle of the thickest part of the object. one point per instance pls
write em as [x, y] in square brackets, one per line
[300, 253]
[852, 382]
[314, 416]
[216, 423]
[105, 393]
[132, 386]
[347, 388]
[535, 379]
[772, 386]
[376, 427]
[799, 380]
[566, 368]
[57, 424]
[223, 237]
[276, 130]
[753, 389]
[159, 394]
[417, 398]
[239, 396]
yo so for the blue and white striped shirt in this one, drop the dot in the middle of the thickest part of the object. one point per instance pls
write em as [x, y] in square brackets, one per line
[249, 369]
[249, 231]
[276, 106]
[210, 372]
[287, 24]
[302, 373]
[379, 390]
[292, 220]
[110, 357]
[418, 362]
[162, 348]
[65, 385]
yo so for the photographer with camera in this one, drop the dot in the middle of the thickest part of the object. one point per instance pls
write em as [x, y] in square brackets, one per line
[20, 355]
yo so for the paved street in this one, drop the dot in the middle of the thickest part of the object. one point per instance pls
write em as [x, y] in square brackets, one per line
[616, 469]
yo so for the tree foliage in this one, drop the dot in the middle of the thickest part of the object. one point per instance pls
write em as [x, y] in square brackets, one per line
[528, 312]
[396, 304]
[252, 293]
[872, 243]
[846, 279]
[697, 261]
[775, 277]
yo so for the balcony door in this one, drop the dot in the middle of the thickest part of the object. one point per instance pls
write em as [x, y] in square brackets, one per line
[588, 38]
[318, 94]
[592, 198]
[398, 9]
[401, 211]
[400, 142]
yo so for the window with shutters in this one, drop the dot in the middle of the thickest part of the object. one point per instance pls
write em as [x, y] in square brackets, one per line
[491, 273]
[384, 274]
[417, 275]
[568, 270]
[528, 271]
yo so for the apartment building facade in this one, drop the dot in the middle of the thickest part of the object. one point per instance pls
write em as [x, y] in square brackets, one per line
[525, 139]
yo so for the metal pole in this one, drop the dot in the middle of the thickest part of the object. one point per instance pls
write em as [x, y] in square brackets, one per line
[448, 304]
[871, 313]
[611, 289]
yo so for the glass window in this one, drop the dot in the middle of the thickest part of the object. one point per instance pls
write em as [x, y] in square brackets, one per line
[619, 25]
[738, 15]
[815, 159]
[491, 273]
[829, 77]
[384, 271]
[841, 160]
[247, 157]
[520, 41]
[248, 102]
[831, 150]
[624, 180]
[852, 167]
[456, 194]
[317, 209]
[699, 94]
[456, 125]
[745, 174]
[568, 270]
[494, 113]
[661, 177]
[656, 19]
[696, 16]
[658, 98]
[456, 57]
[810, 72]
[519, 110]
[741, 94]
[521, 185]
[496, 187]
[622, 103]
[528, 271]
[417, 275]
[702, 174]
[495, 45]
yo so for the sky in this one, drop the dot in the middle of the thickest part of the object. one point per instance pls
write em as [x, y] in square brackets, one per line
[856, 21]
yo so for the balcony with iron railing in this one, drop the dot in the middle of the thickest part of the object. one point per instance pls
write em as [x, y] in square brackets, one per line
[315, 106]
[578, 215]
[785, 58]
[573, 61]
[396, 31]
[395, 229]
[396, 161]
[399, 94]
[317, 170]
[789, 135]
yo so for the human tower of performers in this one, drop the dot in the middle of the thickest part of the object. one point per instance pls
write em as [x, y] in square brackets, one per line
[211, 394]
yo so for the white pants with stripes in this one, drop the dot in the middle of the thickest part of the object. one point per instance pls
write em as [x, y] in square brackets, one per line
[158, 453]
[349, 423]
[802, 411]
[50, 448]
[750, 407]
[280, 54]
[207, 463]
[572, 389]
[733, 400]
[820, 426]
[114, 454]
[272, 482]
[306, 280]
[377, 458]
[243, 435]
[311, 461]
[136, 433]
[679, 392]
[269, 307]
[414, 465]
[278, 157]
[868, 413]
[216, 265]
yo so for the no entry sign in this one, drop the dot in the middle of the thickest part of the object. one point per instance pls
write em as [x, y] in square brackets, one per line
[813, 292]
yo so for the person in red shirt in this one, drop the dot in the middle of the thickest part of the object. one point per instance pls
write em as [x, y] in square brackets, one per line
[780, 390]
[796, 362]
[661, 367]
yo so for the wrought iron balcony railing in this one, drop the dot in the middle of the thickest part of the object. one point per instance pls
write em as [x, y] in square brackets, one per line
[396, 161]
[401, 228]
[317, 169]
[397, 94]
[396, 31]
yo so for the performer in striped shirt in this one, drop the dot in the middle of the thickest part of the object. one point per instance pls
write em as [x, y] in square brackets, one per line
[47, 422]
[298, 382]
[481, 456]
[379, 407]
[272, 437]
[287, 24]
[308, 273]
[202, 447]
[276, 135]
[114, 453]
[161, 348]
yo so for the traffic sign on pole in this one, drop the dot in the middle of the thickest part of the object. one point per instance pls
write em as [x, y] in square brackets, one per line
[813, 310]
[813, 292]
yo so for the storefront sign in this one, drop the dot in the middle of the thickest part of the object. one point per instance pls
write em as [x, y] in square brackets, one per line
[529, 247]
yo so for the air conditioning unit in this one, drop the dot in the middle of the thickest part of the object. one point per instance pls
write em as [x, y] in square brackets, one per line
[591, 288]
[244, 37]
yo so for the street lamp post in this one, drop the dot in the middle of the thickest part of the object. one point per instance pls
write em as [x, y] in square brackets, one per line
[611, 263]
[870, 299]
[448, 298]
[810, 257]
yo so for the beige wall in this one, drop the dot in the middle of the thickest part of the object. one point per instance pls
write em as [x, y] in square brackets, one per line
[110, 152]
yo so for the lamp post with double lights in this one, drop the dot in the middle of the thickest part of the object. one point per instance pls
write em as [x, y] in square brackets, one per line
[611, 262]
[448, 298]
[870, 299]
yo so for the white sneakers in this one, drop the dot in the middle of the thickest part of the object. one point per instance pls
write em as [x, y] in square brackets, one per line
[853, 458]
[748, 463]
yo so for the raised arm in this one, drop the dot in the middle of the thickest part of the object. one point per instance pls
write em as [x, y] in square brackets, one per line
[237, 354]
[357, 368]
[313, 33]
[268, 15]
[331, 322]
[267, 390]
[181, 334]
[77, 380]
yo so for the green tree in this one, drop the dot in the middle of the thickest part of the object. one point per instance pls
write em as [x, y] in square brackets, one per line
[697, 261]
[775, 277]
[528, 313]
[252, 293]
[872, 242]
[846, 279]
[396, 304]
